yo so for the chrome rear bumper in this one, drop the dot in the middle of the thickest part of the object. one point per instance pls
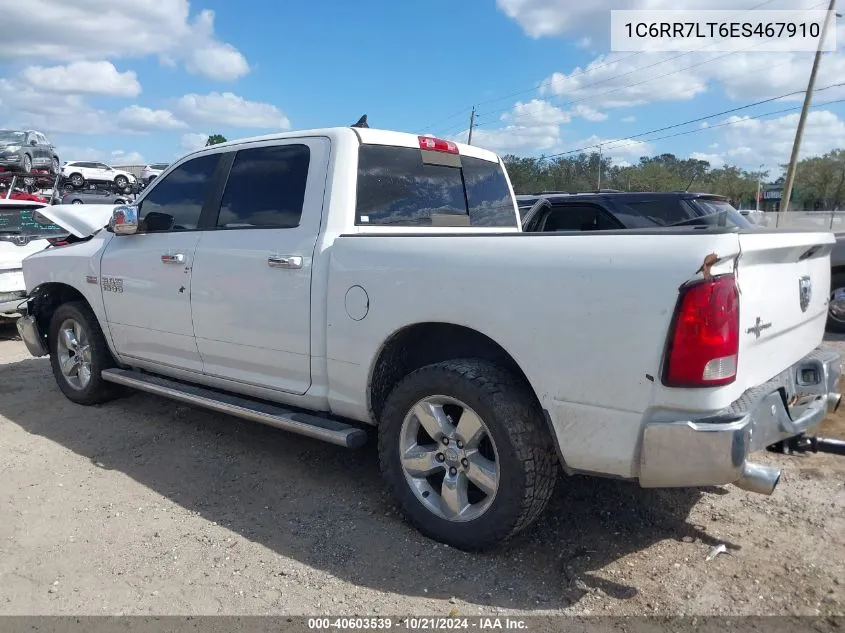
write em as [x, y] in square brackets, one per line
[714, 450]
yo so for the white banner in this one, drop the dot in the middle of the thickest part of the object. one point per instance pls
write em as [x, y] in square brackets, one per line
[721, 30]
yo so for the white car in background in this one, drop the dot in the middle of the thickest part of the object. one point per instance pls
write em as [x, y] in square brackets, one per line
[80, 172]
[152, 171]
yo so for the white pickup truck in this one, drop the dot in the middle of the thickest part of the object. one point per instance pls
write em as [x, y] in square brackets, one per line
[322, 281]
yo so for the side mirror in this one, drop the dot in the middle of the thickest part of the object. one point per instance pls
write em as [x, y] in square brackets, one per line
[124, 220]
[33, 142]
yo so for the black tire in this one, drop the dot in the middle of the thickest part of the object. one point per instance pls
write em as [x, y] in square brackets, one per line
[121, 182]
[837, 280]
[77, 180]
[97, 390]
[526, 459]
[120, 201]
[77, 201]
[26, 165]
[56, 167]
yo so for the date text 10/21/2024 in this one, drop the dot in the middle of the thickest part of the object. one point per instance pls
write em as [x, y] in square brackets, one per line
[480, 623]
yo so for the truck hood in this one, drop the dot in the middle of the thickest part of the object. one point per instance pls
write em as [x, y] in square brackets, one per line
[81, 220]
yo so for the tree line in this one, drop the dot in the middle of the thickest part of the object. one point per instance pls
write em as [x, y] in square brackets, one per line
[820, 181]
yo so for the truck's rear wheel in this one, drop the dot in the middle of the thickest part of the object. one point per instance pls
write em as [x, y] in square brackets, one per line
[465, 451]
[78, 353]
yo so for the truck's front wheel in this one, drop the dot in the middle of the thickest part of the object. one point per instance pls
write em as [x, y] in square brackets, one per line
[78, 353]
[465, 451]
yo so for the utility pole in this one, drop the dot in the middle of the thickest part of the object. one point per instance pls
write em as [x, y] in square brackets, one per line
[471, 125]
[808, 97]
[759, 186]
[599, 184]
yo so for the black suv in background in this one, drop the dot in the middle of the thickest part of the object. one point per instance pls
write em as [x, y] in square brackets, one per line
[548, 212]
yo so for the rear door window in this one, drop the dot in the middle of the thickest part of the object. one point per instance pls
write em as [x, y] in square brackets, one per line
[266, 188]
[395, 187]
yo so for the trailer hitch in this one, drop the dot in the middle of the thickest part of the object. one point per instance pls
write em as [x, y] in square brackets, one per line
[809, 444]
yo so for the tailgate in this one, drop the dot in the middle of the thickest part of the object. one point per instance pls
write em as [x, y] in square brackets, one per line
[784, 284]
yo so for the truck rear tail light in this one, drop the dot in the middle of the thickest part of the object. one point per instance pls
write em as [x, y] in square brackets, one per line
[437, 145]
[704, 340]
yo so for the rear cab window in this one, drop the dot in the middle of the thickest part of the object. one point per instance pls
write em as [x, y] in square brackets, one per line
[398, 187]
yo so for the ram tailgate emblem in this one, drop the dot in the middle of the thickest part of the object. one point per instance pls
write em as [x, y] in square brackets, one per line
[805, 292]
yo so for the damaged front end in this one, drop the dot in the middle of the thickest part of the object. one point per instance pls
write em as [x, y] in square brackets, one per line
[82, 221]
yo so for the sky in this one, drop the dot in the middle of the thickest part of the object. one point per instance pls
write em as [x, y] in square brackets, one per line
[138, 81]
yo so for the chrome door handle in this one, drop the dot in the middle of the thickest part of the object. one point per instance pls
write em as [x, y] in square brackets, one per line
[178, 258]
[278, 261]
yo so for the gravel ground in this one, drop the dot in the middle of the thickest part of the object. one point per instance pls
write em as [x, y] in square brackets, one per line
[143, 506]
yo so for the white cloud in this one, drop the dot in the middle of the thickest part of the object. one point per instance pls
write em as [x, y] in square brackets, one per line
[115, 157]
[620, 150]
[535, 127]
[192, 141]
[634, 79]
[753, 141]
[537, 112]
[749, 143]
[715, 160]
[119, 157]
[588, 113]
[71, 153]
[621, 80]
[22, 106]
[584, 42]
[544, 18]
[103, 29]
[138, 118]
[228, 109]
[84, 77]
[530, 127]
[628, 119]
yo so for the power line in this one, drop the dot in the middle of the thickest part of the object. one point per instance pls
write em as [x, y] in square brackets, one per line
[623, 141]
[740, 74]
[587, 69]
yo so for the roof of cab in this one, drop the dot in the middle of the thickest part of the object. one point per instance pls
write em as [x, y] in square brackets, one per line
[367, 136]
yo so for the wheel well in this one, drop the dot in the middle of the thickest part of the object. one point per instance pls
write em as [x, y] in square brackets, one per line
[423, 344]
[48, 298]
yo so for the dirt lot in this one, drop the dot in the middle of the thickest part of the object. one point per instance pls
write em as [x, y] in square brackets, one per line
[147, 507]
